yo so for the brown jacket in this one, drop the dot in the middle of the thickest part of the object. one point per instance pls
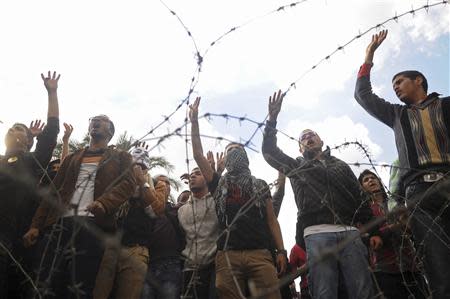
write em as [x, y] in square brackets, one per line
[114, 184]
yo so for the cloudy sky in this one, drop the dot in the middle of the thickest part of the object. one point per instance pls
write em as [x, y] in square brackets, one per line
[134, 62]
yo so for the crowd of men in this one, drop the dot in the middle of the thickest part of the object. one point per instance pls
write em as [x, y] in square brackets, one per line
[96, 224]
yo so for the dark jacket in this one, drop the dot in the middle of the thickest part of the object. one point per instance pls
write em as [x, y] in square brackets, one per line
[136, 224]
[18, 205]
[114, 184]
[34, 164]
[326, 191]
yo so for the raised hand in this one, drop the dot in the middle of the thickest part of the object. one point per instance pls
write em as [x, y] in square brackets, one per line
[51, 81]
[36, 127]
[141, 144]
[185, 178]
[275, 102]
[139, 175]
[220, 158]
[193, 110]
[377, 40]
[68, 129]
[210, 158]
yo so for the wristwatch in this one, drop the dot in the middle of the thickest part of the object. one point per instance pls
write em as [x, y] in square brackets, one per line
[281, 251]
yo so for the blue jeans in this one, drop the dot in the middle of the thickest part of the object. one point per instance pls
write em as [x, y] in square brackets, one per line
[164, 278]
[349, 266]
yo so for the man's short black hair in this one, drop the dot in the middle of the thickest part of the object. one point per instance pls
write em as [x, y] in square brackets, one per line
[413, 75]
[364, 173]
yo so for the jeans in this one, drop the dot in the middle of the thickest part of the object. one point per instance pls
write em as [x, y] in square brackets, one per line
[349, 265]
[163, 280]
[430, 225]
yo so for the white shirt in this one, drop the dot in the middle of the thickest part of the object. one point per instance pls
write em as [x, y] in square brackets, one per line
[327, 228]
[199, 221]
[84, 191]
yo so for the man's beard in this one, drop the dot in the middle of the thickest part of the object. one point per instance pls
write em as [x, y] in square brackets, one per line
[196, 189]
[311, 153]
[96, 136]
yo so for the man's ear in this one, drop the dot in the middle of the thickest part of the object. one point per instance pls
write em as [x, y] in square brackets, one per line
[301, 148]
[418, 81]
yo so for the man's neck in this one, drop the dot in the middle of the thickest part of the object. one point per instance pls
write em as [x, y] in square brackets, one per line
[200, 194]
[98, 144]
[378, 197]
[313, 155]
[419, 98]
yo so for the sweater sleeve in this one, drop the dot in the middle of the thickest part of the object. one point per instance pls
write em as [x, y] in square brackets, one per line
[46, 142]
[155, 198]
[273, 154]
[374, 105]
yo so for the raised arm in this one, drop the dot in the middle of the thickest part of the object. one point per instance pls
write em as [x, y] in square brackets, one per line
[377, 40]
[275, 231]
[36, 127]
[51, 84]
[374, 105]
[278, 195]
[152, 196]
[46, 140]
[220, 161]
[197, 149]
[271, 153]
[68, 129]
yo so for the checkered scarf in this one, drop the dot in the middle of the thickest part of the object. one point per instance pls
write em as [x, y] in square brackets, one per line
[238, 173]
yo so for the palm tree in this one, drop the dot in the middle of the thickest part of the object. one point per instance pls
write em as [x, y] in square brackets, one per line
[125, 142]
[74, 145]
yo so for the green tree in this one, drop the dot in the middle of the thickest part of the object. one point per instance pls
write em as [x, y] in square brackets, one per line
[124, 142]
[74, 145]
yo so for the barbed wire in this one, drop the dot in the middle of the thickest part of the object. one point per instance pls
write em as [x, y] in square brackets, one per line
[395, 18]
[200, 58]
[345, 144]
[246, 143]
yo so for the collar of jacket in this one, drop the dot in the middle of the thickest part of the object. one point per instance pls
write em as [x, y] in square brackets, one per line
[78, 157]
[428, 100]
[325, 154]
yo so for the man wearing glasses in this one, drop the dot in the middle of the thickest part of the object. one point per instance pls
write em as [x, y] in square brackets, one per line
[330, 208]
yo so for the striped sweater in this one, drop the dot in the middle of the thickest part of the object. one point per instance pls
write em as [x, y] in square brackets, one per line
[422, 132]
